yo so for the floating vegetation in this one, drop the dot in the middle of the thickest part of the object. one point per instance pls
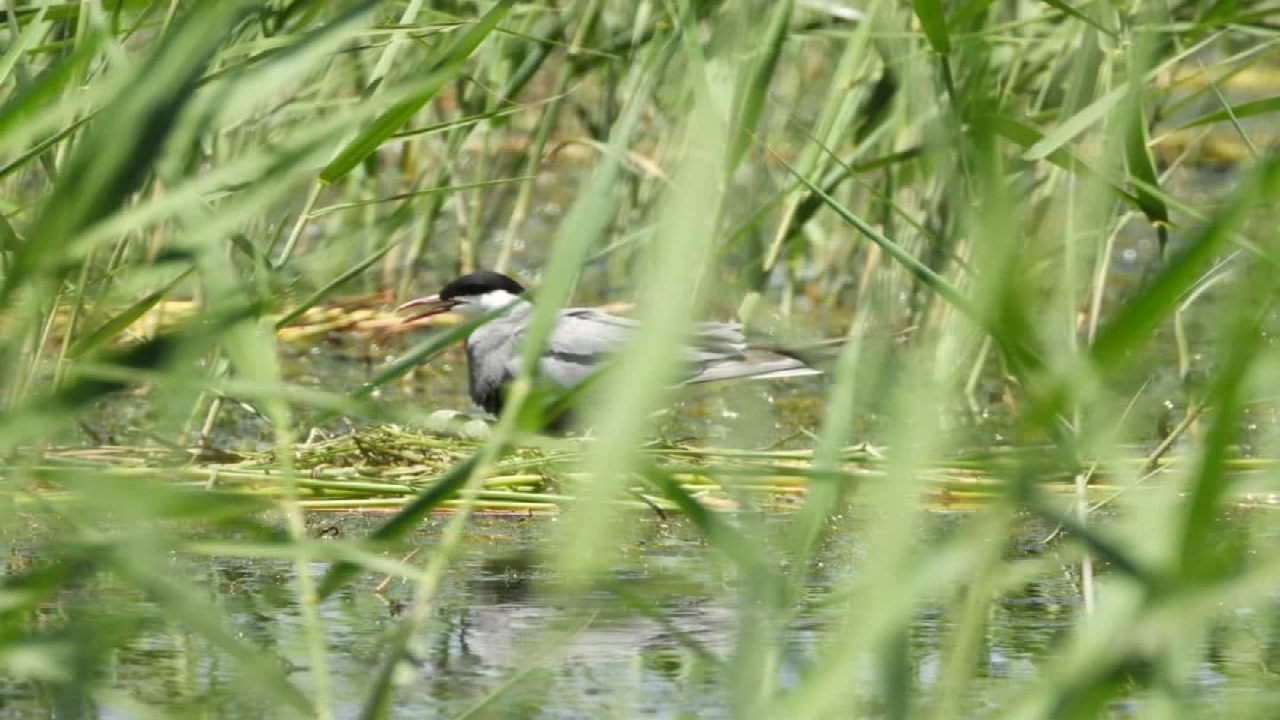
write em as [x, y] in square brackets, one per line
[384, 467]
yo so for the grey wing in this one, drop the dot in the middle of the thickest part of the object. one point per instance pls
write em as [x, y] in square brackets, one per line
[587, 332]
[581, 340]
[716, 341]
[585, 337]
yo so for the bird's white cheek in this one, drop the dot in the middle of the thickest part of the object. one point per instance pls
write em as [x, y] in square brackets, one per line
[495, 300]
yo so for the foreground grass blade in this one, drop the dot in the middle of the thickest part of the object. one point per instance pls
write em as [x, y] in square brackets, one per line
[46, 413]
[934, 22]
[116, 325]
[443, 68]
[403, 521]
[1142, 167]
[114, 157]
[1237, 111]
[257, 668]
[1133, 323]
[1200, 559]
[756, 90]
[422, 353]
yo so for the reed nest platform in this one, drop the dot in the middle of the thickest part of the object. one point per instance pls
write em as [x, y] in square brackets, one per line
[386, 467]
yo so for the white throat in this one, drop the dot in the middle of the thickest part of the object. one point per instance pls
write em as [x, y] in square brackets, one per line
[486, 303]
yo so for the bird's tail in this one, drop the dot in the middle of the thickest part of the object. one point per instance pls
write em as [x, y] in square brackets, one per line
[755, 363]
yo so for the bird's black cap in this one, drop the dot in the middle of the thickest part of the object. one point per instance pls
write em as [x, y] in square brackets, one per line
[479, 283]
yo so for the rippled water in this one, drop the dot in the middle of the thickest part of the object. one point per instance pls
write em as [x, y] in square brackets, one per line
[501, 634]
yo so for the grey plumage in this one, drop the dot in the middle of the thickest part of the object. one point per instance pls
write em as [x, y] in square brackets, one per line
[582, 339]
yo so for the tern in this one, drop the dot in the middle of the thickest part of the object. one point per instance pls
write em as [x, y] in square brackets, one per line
[582, 340]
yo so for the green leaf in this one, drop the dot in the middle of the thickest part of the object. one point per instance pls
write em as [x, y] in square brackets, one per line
[441, 70]
[9, 240]
[46, 88]
[145, 571]
[921, 271]
[723, 536]
[1199, 559]
[1143, 169]
[35, 28]
[1068, 9]
[747, 115]
[118, 324]
[1236, 112]
[423, 352]
[402, 522]
[934, 22]
[1073, 126]
[45, 413]
[114, 157]
[1133, 323]
[314, 298]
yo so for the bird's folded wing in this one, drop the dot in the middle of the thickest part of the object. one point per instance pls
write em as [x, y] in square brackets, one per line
[583, 338]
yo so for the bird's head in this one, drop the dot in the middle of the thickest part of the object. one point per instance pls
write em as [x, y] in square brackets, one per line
[474, 294]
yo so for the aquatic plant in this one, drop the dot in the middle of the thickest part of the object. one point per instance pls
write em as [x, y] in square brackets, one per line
[1046, 229]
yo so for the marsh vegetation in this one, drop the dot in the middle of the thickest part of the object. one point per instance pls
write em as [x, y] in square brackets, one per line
[1036, 481]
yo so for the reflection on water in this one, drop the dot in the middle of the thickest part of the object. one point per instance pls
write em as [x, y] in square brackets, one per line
[657, 640]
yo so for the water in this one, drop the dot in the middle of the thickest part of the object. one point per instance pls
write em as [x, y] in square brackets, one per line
[503, 640]
[502, 629]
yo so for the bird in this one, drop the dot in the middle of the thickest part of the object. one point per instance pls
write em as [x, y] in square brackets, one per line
[581, 341]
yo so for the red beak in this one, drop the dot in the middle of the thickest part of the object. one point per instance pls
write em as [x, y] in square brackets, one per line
[428, 306]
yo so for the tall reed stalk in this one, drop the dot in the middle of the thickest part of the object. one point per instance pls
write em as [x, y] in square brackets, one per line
[1018, 215]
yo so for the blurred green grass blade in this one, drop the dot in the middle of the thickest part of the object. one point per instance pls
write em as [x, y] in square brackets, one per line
[444, 189]
[1068, 9]
[1074, 126]
[61, 11]
[242, 244]
[1142, 167]
[113, 158]
[443, 68]
[587, 218]
[13, 55]
[825, 493]
[1113, 553]
[21, 589]
[121, 322]
[933, 20]
[270, 175]
[34, 150]
[156, 497]
[549, 33]
[403, 521]
[45, 89]
[715, 529]
[260, 76]
[378, 702]
[145, 571]
[1133, 323]
[1239, 111]
[9, 240]
[759, 80]
[1199, 560]
[876, 111]
[47, 412]
[353, 272]
[422, 352]
[1027, 136]
[922, 272]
